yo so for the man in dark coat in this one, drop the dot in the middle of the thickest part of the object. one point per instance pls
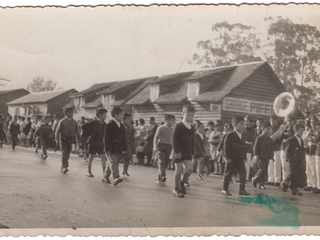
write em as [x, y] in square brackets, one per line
[235, 153]
[149, 139]
[295, 155]
[115, 144]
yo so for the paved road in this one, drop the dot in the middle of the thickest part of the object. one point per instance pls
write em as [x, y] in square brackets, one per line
[34, 194]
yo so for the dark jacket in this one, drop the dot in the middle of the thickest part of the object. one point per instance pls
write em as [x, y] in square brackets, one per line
[150, 137]
[295, 152]
[115, 141]
[95, 130]
[249, 136]
[281, 136]
[263, 147]
[14, 129]
[234, 147]
[199, 145]
[44, 132]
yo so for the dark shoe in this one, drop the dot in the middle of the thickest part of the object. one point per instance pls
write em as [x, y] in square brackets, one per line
[307, 189]
[268, 183]
[182, 188]
[45, 157]
[316, 191]
[187, 184]
[199, 177]
[163, 179]
[295, 192]
[126, 174]
[177, 194]
[283, 186]
[253, 183]
[64, 170]
[244, 193]
[116, 181]
[226, 192]
[90, 175]
[106, 180]
[36, 151]
[276, 184]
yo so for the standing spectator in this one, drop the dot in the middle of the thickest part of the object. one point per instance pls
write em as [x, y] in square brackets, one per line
[44, 132]
[26, 131]
[140, 154]
[14, 130]
[263, 152]
[258, 129]
[127, 119]
[274, 168]
[2, 134]
[140, 132]
[149, 140]
[54, 128]
[95, 137]
[227, 129]
[22, 136]
[235, 154]
[183, 147]
[249, 138]
[66, 131]
[9, 119]
[199, 154]
[214, 139]
[163, 146]
[37, 139]
[115, 144]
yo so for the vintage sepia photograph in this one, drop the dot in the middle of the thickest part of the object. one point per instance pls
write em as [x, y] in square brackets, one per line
[160, 120]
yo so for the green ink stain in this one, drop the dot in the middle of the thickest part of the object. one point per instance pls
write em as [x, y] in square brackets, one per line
[284, 214]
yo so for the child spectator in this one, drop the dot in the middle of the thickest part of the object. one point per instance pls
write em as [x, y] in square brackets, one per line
[14, 130]
[183, 147]
[199, 155]
[214, 139]
[129, 141]
[44, 132]
[140, 154]
[163, 146]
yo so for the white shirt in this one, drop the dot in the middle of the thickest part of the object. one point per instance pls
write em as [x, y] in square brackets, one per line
[299, 140]
[239, 134]
[187, 125]
[116, 122]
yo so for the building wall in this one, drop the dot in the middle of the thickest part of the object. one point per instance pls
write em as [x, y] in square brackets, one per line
[258, 87]
[23, 110]
[55, 106]
[8, 97]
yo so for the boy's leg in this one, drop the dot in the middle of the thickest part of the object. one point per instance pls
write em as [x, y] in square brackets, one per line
[277, 167]
[284, 165]
[248, 165]
[127, 160]
[200, 165]
[188, 170]
[313, 172]
[113, 160]
[177, 175]
[264, 175]
[242, 172]
[229, 170]
[161, 162]
[103, 163]
[90, 164]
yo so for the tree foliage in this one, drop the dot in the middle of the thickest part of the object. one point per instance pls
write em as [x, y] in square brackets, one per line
[38, 84]
[230, 44]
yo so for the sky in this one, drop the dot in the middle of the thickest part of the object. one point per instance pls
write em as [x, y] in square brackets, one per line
[80, 46]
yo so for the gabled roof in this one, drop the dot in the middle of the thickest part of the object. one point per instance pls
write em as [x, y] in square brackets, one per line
[12, 91]
[177, 93]
[228, 83]
[94, 88]
[119, 85]
[41, 97]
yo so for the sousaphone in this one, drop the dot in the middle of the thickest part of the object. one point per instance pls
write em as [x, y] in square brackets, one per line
[285, 105]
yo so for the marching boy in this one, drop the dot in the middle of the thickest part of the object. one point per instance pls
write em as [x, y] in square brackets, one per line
[235, 155]
[44, 133]
[127, 118]
[94, 131]
[183, 147]
[295, 155]
[115, 145]
[163, 146]
[263, 150]
[66, 131]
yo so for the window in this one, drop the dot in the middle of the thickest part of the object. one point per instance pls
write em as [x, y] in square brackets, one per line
[154, 92]
[193, 90]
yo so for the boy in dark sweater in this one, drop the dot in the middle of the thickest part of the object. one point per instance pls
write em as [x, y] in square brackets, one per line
[183, 147]
[263, 151]
[14, 130]
[44, 132]
[94, 131]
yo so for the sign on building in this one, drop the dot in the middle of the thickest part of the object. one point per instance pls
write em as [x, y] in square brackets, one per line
[247, 106]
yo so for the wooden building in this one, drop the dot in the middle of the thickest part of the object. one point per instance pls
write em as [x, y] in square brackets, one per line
[8, 96]
[33, 104]
[106, 95]
[217, 93]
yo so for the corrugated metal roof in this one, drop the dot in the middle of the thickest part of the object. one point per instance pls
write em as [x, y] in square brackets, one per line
[41, 97]
[94, 88]
[12, 90]
[119, 85]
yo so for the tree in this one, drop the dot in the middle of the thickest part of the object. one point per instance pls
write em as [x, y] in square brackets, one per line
[295, 57]
[38, 84]
[231, 44]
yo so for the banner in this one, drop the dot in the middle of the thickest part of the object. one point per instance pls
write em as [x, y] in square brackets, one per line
[247, 106]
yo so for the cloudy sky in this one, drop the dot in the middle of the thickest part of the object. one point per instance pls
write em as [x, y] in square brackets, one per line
[77, 47]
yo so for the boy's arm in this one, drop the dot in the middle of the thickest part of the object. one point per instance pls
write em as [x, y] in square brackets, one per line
[256, 147]
[175, 141]
[228, 147]
[289, 151]
[156, 138]
[107, 139]
[58, 130]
